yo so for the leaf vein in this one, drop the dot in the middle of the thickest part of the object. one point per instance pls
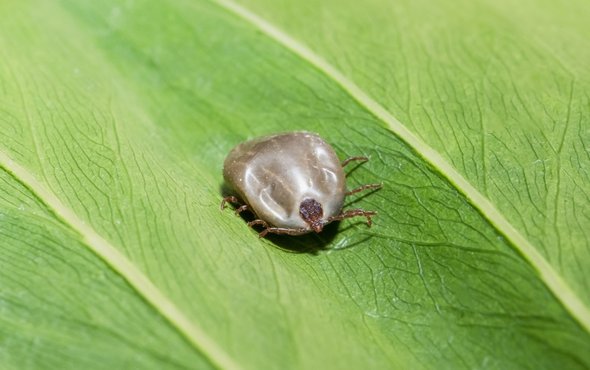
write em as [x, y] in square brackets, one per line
[123, 266]
[556, 284]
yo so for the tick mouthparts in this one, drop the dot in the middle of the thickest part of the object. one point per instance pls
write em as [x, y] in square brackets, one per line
[317, 226]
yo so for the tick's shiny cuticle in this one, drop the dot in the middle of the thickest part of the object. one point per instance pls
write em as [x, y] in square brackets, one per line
[294, 183]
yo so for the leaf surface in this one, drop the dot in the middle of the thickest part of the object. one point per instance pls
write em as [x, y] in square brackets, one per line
[114, 123]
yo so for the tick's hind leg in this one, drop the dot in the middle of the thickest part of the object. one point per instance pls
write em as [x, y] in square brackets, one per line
[364, 187]
[242, 208]
[234, 200]
[363, 159]
[354, 213]
[229, 199]
[351, 159]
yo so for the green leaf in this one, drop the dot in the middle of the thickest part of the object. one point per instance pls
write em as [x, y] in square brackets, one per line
[115, 119]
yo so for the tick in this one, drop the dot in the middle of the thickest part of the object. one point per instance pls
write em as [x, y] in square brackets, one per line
[293, 183]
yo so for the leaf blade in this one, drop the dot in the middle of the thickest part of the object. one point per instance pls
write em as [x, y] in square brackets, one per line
[430, 270]
[554, 281]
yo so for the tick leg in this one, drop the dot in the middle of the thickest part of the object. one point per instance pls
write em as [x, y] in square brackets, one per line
[354, 213]
[258, 222]
[283, 231]
[364, 187]
[229, 199]
[242, 208]
[350, 159]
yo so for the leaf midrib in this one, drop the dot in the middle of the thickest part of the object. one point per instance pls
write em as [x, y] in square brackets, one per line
[194, 334]
[555, 282]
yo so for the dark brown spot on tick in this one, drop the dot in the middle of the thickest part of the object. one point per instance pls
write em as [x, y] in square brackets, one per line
[311, 211]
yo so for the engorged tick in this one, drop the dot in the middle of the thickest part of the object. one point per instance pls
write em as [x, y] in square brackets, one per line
[293, 183]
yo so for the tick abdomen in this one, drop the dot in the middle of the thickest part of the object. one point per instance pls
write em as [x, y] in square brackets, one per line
[275, 174]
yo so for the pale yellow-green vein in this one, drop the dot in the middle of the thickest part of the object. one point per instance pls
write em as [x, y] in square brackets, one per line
[123, 266]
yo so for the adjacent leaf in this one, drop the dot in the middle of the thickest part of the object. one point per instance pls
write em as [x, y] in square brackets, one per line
[114, 122]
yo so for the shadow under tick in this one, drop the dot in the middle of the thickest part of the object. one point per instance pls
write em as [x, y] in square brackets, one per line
[311, 243]
[353, 169]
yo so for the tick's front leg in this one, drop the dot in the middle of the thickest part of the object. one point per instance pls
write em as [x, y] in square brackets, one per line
[259, 222]
[276, 230]
[354, 213]
[283, 231]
